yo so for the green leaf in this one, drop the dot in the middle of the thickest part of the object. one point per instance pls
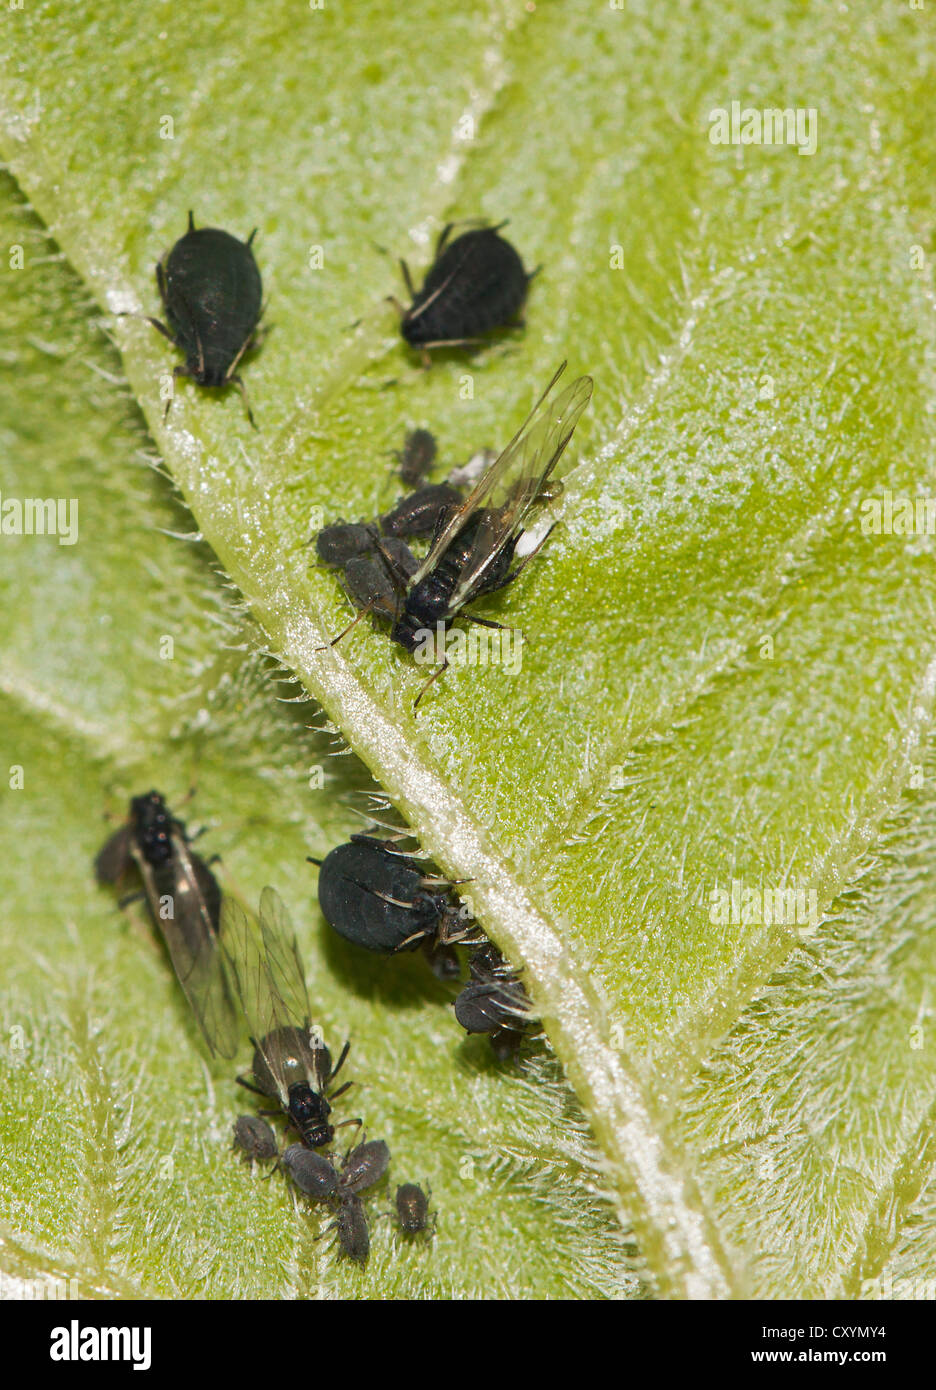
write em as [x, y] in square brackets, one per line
[724, 678]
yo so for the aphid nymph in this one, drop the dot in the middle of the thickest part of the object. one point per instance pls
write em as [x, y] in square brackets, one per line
[255, 1137]
[412, 1207]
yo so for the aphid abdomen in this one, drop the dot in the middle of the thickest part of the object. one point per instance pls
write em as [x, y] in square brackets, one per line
[213, 295]
[477, 284]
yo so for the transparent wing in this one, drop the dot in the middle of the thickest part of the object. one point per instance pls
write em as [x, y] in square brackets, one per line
[267, 975]
[245, 958]
[189, 934]
[282, 960]
[504, 495]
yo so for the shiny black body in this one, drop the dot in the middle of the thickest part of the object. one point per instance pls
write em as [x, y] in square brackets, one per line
[255, 1137]
[381, 900]
[293, 1052]
[476, 283]
[212, 294]
[430, 600]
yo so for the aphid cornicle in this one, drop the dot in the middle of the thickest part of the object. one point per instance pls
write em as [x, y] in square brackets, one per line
[255, 1138]
[185, 901]
[473, 548]
[212, 295]
[290, 1063]
[380, 899]
[475, 284]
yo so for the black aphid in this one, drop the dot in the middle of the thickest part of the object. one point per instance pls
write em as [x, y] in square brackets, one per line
[494, 1001]
[420, 513]
[185, 901]
[290, 1063]
[412, 1207]
[473, 548]
[343, 540]
[475, 284]
[312, 1172]
[212, 296]
[351, 1225]
[380, 899]
[416, 458]
[363, 1166]
[255, 1137]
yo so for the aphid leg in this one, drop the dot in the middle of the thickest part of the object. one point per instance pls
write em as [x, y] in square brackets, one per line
[485, 622]
[130, 898]
[333, 1095]
[235, 380]
[341, 1060]
[155, 323]
[249, 1086]
[435, 676]
[344, 1123]
[335, 640]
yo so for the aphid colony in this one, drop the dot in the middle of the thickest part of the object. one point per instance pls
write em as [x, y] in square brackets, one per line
[212, 296]
[382, 900]
[233, 966]
[474, 538]
[239, 969]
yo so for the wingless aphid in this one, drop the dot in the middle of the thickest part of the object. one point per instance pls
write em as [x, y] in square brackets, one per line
[255, 1138]
[475, 284]
[376, 897]
[412, 1208]
[494, 1002]
[415, 459]
[185, 901]
[290, 1063]
[473, 548]
[212, 295]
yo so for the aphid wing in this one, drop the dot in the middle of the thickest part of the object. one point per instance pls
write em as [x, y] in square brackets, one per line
[193, 948]
[534, 455]
[483, 489]
[115, 856]
[245, 961]
[283, 962]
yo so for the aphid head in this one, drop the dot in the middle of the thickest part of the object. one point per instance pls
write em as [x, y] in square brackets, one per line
[152, 826]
